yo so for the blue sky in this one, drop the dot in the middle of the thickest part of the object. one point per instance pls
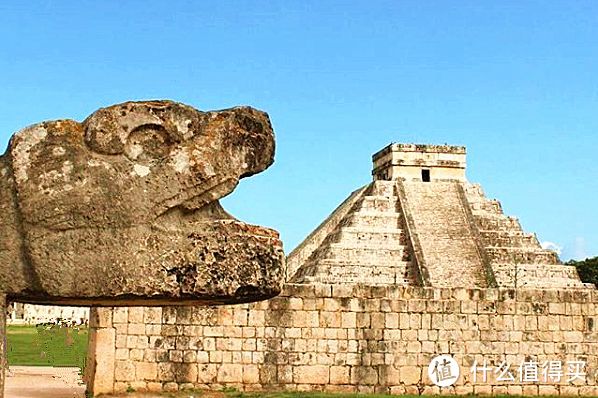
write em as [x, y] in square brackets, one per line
[514, 81]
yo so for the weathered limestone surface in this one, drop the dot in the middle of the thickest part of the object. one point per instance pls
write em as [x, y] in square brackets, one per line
[124, 208]
[448, 246]
[406, 161]
[516, 257]
[368, 245]
[443, 233]
[354, 339]
[99, 369]
[306, 248]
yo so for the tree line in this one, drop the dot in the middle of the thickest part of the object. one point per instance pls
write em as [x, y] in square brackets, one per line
[587, 269]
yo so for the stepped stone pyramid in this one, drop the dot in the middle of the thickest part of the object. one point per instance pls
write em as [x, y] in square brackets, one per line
[420, 222]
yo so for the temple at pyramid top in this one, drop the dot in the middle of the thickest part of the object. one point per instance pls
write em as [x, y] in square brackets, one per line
[413, 162]
[420, 222]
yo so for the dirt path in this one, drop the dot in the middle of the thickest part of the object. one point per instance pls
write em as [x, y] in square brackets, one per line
[43, 382]
[49, 382]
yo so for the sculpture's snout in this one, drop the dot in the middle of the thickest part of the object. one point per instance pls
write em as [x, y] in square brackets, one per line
[259, 137]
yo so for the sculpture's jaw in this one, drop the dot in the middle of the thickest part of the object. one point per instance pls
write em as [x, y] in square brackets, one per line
[205, 262]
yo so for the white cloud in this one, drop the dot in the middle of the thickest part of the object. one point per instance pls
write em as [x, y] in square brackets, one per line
[579, 250]
[552, 246]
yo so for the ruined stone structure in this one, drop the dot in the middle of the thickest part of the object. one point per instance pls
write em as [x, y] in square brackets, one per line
[123, 209]
[352, 338]
[421, 223]
[416, 264]
[33, 314]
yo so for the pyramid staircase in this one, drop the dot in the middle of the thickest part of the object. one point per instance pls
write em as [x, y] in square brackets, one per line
[517, 258]
[449, 251]
[368, 245]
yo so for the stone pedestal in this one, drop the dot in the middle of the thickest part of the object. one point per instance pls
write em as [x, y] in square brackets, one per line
[99, 369]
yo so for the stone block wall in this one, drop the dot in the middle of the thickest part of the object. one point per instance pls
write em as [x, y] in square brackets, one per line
[351, 338]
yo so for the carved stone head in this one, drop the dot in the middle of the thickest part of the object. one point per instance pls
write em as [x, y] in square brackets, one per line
[123, 208]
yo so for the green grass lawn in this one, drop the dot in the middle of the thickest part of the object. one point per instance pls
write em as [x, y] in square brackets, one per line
[47, 346]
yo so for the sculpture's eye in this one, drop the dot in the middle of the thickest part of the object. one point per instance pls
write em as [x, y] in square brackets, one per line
[148, 142]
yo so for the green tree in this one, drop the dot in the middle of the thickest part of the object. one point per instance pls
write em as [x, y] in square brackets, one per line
[587, 269]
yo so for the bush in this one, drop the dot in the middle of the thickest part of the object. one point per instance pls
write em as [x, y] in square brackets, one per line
[587, 269]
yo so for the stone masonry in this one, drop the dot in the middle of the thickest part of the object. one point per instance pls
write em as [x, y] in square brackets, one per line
[416, 264]
[420, 222]
[369, 244]
[350, 338]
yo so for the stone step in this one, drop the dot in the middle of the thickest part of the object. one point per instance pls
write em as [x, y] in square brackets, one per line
[372, 197]
[423, 187]
[359, 279]
[431, 195]
[450, 228]
[437, 208]
[378, 203]
[550, 283]
[518, 255]
[376, 213]
[536, 275]
[560, 270]
[372, 219]
[356, 237]
[444, 233]
[382, 188]
[507, 234]
[378, 255]
[333, 273]
[487, 206]
[370, 271]
[510, 239]
[473, 191]
[373, 230]
[346, 263]
[490, 222]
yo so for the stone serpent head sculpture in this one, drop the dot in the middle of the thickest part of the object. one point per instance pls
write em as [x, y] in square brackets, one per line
[122, 209]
